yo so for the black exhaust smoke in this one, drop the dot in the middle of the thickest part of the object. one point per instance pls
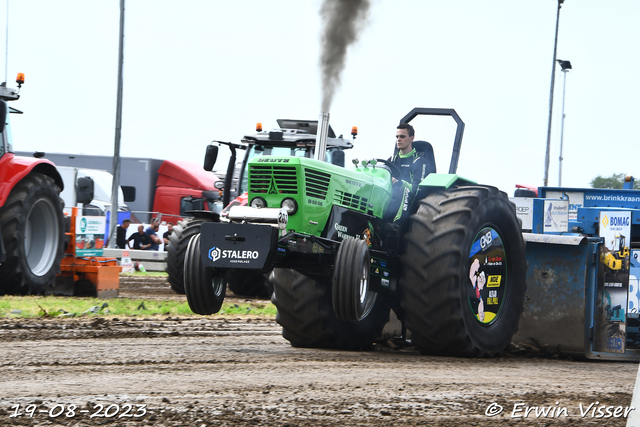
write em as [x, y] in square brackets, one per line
[343, 20]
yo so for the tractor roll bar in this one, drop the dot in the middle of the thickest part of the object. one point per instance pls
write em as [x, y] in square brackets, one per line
[457, 142]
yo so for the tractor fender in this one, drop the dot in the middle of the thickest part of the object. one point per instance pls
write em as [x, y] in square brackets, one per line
[14, 168]
[444, 180]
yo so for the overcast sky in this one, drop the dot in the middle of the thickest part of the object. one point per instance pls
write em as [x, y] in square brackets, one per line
[198, 70]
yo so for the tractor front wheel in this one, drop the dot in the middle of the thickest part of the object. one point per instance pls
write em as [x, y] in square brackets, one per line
[352, 299]
[178, 242]
[308, 320]
[204, 288]
[463, 272]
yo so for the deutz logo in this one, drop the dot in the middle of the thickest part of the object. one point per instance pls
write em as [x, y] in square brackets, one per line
[272, 160]
[83, 225]
[273, 189]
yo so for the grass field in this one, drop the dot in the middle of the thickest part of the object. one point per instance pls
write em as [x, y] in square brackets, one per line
[50, 306]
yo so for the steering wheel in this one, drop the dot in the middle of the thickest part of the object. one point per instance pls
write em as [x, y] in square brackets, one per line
[393, 168]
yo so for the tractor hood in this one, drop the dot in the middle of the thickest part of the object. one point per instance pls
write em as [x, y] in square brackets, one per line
[316, 187]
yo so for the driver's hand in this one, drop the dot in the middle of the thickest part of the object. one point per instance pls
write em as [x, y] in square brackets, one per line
[394, 180]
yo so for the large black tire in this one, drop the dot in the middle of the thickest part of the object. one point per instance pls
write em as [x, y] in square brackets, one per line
[456, 237]
[205, 291]
[248, 283]
[32, 224]
[308, 320]
[178, 242]
[352, 299]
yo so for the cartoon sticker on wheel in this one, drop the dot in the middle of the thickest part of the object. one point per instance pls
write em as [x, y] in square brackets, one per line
[487, 275]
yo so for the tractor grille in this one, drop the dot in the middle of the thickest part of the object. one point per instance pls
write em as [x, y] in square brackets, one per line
[273, 179]
[350, 200]
[317, 183]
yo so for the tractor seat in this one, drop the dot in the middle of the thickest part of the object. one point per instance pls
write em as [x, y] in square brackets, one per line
[425, 150]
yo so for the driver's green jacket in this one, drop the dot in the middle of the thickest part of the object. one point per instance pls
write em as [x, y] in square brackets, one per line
[412, 167]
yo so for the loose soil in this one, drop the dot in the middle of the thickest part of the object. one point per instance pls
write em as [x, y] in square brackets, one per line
[214, 371]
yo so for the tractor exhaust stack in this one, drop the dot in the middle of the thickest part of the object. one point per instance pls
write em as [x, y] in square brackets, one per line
[321, 137]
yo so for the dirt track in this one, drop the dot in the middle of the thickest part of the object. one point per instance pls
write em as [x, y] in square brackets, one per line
[232, 372]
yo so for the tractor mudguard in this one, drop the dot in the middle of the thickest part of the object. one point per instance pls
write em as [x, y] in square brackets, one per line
[444, 180]
[439, 181]
[246, 246]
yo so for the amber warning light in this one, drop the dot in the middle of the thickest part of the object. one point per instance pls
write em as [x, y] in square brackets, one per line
[354, 131]
[258, 127]
[20, 79]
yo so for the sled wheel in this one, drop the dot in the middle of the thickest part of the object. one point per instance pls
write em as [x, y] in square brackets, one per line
[204, 289]
[463, 272]
[308, 320]
[178, 242]
[32, 225]
[352, 299]
[247, 283]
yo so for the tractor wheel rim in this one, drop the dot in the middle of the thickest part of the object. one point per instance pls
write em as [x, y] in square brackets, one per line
[218, 285]
[364, 284]
[42, 235]
[488, 276]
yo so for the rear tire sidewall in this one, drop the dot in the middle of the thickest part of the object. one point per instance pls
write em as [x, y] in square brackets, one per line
[494, 214]
[34, 199]
[47, 201]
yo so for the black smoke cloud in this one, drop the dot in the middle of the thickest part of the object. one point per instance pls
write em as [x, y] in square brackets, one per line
[343, 20]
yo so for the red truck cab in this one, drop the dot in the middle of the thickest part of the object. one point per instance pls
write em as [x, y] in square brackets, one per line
[179, 184]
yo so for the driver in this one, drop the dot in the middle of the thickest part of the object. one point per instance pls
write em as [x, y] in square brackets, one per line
[412, 167]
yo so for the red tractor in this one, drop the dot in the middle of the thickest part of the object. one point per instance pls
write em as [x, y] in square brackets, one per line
[32, 225]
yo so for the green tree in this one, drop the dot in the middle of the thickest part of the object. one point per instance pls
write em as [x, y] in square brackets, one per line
[614, 181]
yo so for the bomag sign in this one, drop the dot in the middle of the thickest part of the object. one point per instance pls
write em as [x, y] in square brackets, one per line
[616, 221]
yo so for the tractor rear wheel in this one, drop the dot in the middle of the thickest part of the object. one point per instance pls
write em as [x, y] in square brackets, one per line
[463, 272]
[352, 299]
[32, 224]
[204, 289]
[178, 242]
[308, 320]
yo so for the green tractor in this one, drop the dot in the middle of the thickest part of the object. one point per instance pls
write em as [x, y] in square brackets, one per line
[452, 269]
[291, 138]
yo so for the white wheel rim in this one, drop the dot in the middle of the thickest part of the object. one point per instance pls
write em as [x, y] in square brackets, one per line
[218, 285]
[364, 284]
[42, 236]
